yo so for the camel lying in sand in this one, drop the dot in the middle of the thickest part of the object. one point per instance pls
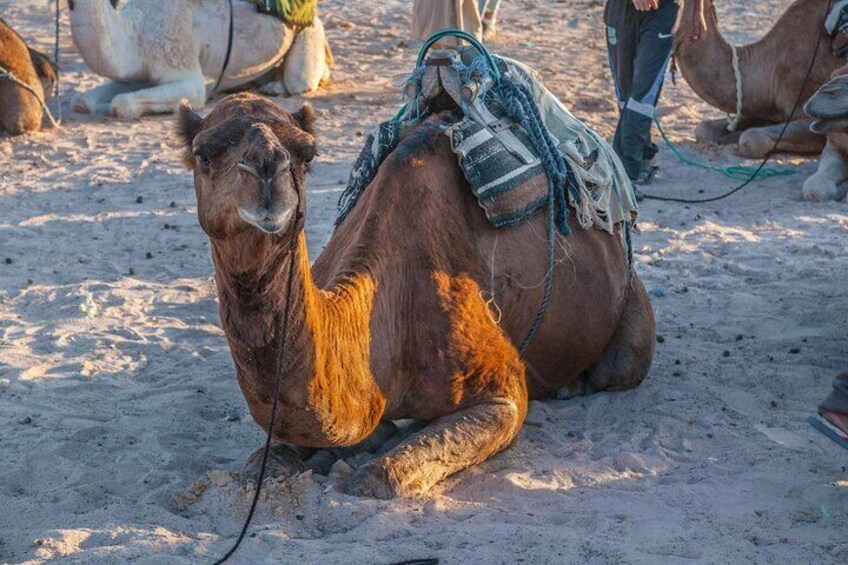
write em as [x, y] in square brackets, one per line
[773, 71]
[157, 53]
[20, 110]
[392, 321]
[829, 107]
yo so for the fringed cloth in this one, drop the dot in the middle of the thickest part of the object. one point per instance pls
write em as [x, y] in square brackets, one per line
[294, 13]
[500, 155]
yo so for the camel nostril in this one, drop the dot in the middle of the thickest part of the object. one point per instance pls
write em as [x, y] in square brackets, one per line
[72, 5]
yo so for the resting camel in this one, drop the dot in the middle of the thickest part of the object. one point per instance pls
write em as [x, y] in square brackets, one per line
[829, 108]
[772, 69]
[20, 110]
[392, 321]
[157, 53]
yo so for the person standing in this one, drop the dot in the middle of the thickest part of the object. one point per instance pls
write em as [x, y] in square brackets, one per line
[640, 37]
[489, 18]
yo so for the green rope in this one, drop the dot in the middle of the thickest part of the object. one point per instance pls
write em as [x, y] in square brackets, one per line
[733, 172]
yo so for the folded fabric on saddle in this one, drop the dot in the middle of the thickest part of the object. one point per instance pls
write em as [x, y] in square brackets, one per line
[836, 25]
[519, 148]
[296, 13]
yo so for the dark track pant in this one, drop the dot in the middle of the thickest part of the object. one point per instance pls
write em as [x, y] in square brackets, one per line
[639, 46]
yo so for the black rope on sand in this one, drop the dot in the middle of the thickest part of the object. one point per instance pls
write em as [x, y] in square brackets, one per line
[768, 156]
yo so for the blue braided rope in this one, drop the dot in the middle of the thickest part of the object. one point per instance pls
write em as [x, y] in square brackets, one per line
[519, 104]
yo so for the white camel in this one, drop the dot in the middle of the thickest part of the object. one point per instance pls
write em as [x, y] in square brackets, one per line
[157, 52]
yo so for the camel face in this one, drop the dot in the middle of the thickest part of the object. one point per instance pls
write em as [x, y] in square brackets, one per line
[829, 106]
[248, 171]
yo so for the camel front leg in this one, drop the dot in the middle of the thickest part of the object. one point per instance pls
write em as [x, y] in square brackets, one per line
[160, 99]
[829, 181]
[449, 444]
[98, 99]
[756, 143]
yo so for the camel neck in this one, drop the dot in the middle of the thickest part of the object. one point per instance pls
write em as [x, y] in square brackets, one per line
[328, 393]
[104, 36]
[707, 66]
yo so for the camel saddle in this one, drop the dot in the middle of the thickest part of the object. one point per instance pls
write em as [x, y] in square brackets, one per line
[501, 158]
[294, 13]
[836, 25]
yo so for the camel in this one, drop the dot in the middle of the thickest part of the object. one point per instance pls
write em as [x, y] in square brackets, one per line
[20, 109]
[157, 53]
[829, 108]
[414, 308]
[772, 69]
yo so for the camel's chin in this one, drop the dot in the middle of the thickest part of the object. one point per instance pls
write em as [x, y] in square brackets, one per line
[266, 223]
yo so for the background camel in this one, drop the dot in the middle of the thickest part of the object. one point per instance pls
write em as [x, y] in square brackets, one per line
[158, 53]
[829, 107]
[391, 322]
[20, 110]
[773, 71]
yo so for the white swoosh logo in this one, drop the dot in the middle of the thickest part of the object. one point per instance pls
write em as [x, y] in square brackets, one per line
[665, 35]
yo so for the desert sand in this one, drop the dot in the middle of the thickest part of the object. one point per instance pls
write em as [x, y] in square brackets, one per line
[123, 425]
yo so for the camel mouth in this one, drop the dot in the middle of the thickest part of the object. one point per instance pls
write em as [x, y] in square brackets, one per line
[827, 125]
[265, 222]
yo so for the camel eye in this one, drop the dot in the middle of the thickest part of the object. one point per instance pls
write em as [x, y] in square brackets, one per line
[203, 160]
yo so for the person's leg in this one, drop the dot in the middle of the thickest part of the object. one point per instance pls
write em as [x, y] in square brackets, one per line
[621, 22]
[489, 17]
[651, 60]
[834, 408]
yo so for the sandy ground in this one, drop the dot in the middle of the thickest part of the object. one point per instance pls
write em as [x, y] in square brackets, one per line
[122, 422]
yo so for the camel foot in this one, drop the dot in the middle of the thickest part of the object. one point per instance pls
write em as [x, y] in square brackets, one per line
[84, 104]
[274, 88]
[124, 106]
[818, 189]
[283, 461]
[715, 132]
[372, 480]
[754, 144]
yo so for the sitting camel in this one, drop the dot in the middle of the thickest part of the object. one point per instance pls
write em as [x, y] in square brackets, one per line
[829, 108]
[772, 71]
[392, 321]
[157, 53]
[20, 109]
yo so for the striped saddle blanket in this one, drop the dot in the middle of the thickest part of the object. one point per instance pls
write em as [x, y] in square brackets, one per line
[498, 157]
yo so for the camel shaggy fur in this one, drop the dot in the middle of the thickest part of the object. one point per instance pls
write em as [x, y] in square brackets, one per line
[414, 308]
[157, 53]
[772, 69]
[20, 110]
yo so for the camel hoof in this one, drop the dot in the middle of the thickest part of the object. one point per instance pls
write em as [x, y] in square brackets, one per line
[816, 190]
[283, 461]
[754, 145]
[274, 88]
[83, 104]
[372, 480]
[124, 107]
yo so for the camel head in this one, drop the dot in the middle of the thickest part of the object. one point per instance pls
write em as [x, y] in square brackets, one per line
[45, 69]
[829, 105]
[249, 159]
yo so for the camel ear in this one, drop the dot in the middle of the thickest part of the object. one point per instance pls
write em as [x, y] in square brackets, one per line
[305, 118]
[189, 124]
